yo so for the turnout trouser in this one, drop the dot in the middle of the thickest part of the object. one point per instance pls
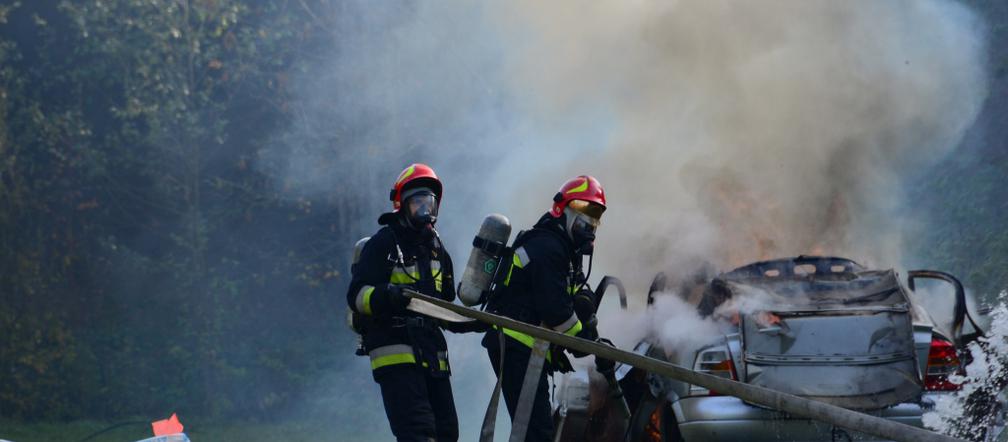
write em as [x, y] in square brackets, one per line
[420, 407]
[516, 357]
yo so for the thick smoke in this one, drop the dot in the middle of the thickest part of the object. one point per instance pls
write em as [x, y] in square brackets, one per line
[670, 316]
[740, 131]
[723, 131]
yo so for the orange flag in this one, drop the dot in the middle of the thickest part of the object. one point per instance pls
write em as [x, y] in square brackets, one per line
[167, 426]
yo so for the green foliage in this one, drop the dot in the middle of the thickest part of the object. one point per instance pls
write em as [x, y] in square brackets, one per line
[964, 200]
[148, 265]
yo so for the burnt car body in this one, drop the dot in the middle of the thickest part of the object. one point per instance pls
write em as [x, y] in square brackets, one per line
[823, 328]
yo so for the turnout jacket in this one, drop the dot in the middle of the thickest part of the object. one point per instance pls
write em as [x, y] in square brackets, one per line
[538, 287]
[399, 255]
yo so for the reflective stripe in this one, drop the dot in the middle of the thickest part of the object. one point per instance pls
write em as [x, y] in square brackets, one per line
[363, 301]
[391, 355]
[526, 340]
[435, 268]
[570, 323]
[409, 172]
[409, 275]
[442, 360]
[403, 358]
[442, 365]
[583, 187]
[519, 259]
[575, 329]
[507, 280]
[520, 337]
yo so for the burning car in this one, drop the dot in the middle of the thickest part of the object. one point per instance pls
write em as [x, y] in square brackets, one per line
[823, 328]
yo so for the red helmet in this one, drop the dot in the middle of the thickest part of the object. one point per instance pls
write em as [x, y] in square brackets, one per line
[583, 188]
[416, 175]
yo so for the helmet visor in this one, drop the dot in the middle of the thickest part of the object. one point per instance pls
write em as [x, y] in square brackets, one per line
[422, 205]
[588, 209]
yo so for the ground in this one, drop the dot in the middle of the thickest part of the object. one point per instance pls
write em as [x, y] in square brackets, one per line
[219, 432]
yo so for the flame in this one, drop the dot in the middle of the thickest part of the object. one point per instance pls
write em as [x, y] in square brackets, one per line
[755, 226]
[746, 221]
[653, 432]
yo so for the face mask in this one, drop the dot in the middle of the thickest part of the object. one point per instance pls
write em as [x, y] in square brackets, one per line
[581, 229]
[421, 210]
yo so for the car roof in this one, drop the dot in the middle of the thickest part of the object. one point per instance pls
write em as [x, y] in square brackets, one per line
[787, 267]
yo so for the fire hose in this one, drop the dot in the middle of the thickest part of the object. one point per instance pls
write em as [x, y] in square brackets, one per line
[788, 403]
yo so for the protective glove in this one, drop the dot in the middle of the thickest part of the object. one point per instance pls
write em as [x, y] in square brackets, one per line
[395, 299]
[589, 331]
[604, 366]
[584, 304]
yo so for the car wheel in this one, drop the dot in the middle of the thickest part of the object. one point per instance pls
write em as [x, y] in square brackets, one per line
[653, 421]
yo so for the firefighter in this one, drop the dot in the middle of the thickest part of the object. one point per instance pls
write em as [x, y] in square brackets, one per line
[539, 288]
[409, 356]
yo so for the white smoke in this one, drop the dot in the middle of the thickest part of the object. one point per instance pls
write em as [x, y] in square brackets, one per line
[674, 325]
[722, 131]
[938, 300]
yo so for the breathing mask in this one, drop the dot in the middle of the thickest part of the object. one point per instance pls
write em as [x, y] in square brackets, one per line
[583, 219]
[420, 208]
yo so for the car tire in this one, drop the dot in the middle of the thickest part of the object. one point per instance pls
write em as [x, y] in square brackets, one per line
[668, 430]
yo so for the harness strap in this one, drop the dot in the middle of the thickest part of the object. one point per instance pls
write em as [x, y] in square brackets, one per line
[519, 426]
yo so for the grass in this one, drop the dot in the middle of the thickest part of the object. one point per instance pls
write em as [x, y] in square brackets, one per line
[76, 431]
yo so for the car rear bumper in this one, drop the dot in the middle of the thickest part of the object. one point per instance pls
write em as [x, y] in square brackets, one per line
[726, 418]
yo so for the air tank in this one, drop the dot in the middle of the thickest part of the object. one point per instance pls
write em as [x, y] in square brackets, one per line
[357, 249]
[488, 246]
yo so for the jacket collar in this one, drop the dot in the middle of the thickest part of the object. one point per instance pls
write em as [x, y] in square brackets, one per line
[556, 226]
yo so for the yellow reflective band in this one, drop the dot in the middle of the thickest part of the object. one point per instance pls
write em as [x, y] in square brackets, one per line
[401, 358]
[435, 268]
[583, 187]
[442, 365]
[526, 340]
[573, 330]
[516, 263]
[407, 173]
[366, 303]
[404, 278]
[519, 259]
[572, 289]
[566, 325]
